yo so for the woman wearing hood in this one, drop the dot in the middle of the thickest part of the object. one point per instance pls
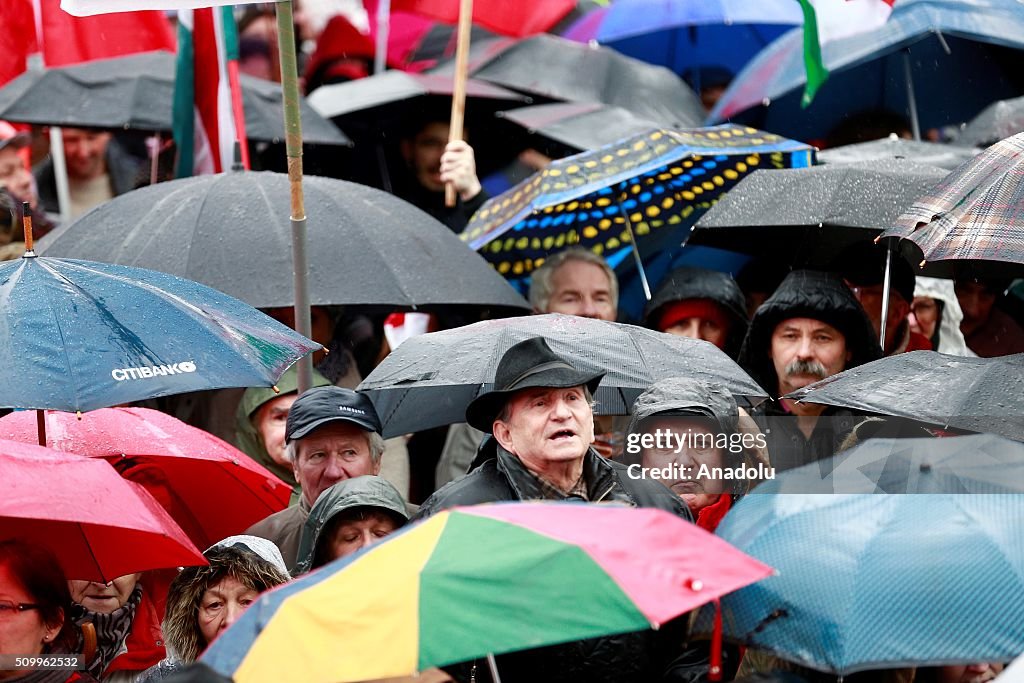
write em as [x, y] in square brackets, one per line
[936, 314]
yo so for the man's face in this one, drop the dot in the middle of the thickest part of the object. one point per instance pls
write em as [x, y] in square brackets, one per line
[700, 328]
[270, 421]
[695, 444]
[355, 534]
[15, 175]
[85, 152]
[804, 350]
[332, 453]
[423, 154]
[870, 298]
[976, 300]
[581, 288]
[547, 426]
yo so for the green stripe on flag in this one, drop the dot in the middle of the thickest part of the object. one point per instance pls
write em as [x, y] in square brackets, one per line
[230, 32]
[184, 114]
[493, 587]
[816, 71]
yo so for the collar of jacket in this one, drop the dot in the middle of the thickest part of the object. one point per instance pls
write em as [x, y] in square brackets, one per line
[602, 484]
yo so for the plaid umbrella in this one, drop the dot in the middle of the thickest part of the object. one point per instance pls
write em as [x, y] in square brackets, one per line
[976, 213]
[647, 184]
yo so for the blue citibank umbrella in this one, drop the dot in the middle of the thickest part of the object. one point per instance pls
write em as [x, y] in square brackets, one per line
[870, 581]
[79, 335]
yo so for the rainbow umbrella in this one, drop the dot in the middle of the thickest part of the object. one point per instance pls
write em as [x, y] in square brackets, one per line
[472, 582]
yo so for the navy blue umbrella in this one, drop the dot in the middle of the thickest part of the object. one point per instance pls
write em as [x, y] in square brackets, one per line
[79, 335]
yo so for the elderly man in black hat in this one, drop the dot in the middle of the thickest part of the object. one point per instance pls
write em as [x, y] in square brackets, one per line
[541, 419]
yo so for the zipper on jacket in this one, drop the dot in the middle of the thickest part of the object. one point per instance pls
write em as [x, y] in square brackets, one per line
[601, 497]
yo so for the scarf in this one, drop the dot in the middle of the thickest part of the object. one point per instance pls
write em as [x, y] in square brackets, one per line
[111, 629]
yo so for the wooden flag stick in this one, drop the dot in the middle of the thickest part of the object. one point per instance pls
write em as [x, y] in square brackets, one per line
[459, 90]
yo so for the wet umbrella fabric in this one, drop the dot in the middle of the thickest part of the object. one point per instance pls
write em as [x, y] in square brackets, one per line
[136, 92]
[946, 157]
[469, 582]
[878, 581]
[974, 394]
[232, 232]
[655, 180]
[953, 46]
[210, 488]
[446, 370]
[974, 214]
[974, 464]
[563, 70]
[99, 525]
[807, 216]
[79, 335]
[578, 126]
[996, 122]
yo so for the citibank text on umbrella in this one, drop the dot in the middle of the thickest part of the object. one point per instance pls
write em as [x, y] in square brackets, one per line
[676, 441]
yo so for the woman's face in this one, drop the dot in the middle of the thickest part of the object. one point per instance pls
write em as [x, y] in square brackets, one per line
[924, 315]
[221, 605]
[22, 631]
[103, 597]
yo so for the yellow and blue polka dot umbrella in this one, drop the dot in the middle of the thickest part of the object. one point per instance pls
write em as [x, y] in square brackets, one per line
[648, 186]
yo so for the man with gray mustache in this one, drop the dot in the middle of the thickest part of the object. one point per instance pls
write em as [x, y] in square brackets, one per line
[812, 327]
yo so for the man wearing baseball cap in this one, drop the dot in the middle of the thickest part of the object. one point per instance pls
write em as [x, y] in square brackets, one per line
[332, 434]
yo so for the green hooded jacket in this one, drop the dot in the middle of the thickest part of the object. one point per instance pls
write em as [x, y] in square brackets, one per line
[248, 439]
[366, 491]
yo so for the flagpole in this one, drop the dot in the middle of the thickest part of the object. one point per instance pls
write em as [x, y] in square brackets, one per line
[380, 53]
[293, 146]
[459, 90]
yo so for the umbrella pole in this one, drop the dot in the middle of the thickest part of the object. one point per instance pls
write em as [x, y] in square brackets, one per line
[380, 53]
[293, 145]
[459, 90]
[41, 426]
[885, 297]
[154, 155]
[636, 254]
[908, 78]
[493, 666]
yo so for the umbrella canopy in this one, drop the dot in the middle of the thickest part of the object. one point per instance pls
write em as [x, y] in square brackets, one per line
[232, 232]
[99, 525]
[79, 335]
[978, 463]
[137, 92]
[210, 488]
[999, 120]
[946, 157]
[578, 126]
[446, 370]
[975, 394]
[870, 582]
[686, 36]
[655, 181]
[952, 46]
[479, 581]
[560, 69]
[976, 213]
[807, 216]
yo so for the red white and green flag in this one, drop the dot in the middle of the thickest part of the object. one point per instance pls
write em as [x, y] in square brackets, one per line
[828, 20]
[208, 116]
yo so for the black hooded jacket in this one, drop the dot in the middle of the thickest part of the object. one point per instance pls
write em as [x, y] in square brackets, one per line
[699, 283]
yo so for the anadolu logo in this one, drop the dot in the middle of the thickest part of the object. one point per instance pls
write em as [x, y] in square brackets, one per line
[148, 371]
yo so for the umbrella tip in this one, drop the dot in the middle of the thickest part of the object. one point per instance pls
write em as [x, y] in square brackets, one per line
[78, 414]
[26, 221]
[326, 350]
[921, 264]
[276, 390]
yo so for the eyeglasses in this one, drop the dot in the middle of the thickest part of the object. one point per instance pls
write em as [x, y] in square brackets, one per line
[9, 609]
[927, 309]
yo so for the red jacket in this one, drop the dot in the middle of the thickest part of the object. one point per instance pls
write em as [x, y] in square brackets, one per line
[145, 641]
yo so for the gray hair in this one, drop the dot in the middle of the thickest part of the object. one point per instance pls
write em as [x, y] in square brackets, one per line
[374, 440]
[506, 413]
[540, 281]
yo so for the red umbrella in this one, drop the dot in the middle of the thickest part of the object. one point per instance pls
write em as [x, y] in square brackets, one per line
[210, 488]
[521, 18]
[99, 525]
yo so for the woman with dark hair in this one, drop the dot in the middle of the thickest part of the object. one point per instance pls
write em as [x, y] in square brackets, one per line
[34, 607]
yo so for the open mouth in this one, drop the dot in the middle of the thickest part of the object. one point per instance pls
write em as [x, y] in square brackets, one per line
[562, 434]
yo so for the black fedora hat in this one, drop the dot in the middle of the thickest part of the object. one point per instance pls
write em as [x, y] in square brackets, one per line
[529, 363]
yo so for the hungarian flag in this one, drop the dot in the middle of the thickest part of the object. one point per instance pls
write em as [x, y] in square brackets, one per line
[208, 116]
[827, 20]
[515, 18]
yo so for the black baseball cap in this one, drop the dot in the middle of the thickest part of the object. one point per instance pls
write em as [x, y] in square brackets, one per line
[320, 405]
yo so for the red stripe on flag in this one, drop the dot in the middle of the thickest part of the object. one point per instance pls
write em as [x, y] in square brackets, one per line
[207, 79]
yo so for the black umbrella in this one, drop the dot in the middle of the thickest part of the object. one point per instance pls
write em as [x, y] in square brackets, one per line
[807, 216]
[977, 463]
[560, 69]
[942, 156]
[578, 126]
[232, 232]
[136, 92]
[446, 370]
[973, 394]
[997, 121]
